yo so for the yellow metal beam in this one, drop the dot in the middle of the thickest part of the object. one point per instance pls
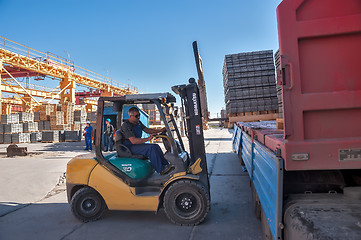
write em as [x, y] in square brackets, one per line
[33, 92]
[61, 70]
[12, 101]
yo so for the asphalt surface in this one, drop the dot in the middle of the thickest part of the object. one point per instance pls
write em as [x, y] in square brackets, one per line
[33, 202]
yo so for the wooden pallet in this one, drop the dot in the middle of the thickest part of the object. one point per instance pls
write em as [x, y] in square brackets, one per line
[251, 113]
[254, 116]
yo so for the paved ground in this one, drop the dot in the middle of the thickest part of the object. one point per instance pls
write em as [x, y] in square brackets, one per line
[26, 212]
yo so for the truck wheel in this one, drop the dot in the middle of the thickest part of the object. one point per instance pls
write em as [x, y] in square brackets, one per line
[186, 203]
[87, 205]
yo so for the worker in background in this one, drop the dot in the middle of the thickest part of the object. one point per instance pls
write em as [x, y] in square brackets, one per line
[88, 136]
[132, 132]
[109, 131]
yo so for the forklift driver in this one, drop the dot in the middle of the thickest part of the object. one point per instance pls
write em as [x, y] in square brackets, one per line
[132, 132]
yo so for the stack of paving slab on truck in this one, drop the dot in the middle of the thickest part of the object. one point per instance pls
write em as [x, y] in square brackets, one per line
[250, 86]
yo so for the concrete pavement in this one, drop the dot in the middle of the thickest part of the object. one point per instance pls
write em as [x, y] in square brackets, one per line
[231, 215]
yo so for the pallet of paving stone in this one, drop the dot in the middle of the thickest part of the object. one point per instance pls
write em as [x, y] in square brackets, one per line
[7, 137]
[10, 118]
[50, 136]
[1, 138]
[61, 136]
[44, 116]
[252, 105]
[76, 126]
[72, 136]
[31, 127]
[36, 116]
[279, 88]
[252, 92]
[26, 117]
[36, 136]
[47, 109]
[44, 125]
[20, 137]
[13, 128]
[92, 117]
[68, 109]
[80, 116]
[57, 118]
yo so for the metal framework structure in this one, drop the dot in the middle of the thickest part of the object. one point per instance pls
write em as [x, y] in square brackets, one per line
[17, 60]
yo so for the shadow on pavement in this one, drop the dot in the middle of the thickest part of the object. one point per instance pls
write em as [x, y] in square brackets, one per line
[65, 146]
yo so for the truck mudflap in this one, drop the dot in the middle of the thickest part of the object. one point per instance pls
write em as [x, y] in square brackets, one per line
[265, 170]
[323, 216]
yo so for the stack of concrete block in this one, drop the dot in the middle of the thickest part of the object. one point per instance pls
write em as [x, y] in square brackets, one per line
[68, 109]
[45, 110]
[279, 88]
[62, 136]
[72, 136]
[10, 118]
[57, 118]
[50, 136]
[12, 128]
[36, 116]
[36, 136]
[76, 126]
[80, 116]
[7, 138]
[92, 117]
[44, 125]
[20, 137]
[31, 126]
[26, 117]
[249, 82]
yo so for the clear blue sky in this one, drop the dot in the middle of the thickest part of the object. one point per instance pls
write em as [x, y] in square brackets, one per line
[145, 43]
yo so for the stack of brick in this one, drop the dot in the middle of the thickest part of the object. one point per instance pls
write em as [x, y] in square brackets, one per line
[10, 118]
[31, 127]
[44, 125]
[50, 136]
[45, 110]
[249, 82]
[36, 137]
[26, 117]
[57, 121]
[20, 137]
[36, 116]
[72, 136]
[80, 116]
[57, 118]
[68, 109]
[92, 117]
[279, 88]
[76, 126]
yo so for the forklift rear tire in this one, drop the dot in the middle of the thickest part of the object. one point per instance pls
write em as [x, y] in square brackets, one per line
[186, 203]
[87, 205]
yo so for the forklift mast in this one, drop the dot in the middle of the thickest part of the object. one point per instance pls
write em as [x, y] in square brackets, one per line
[189, 94]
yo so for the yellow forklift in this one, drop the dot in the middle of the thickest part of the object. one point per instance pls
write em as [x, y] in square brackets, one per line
[123, 181]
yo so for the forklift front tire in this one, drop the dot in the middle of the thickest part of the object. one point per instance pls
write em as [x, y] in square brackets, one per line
[186, 203]
[87, 205]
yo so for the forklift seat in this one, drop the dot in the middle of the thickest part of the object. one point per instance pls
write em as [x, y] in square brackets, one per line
[122, 150]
